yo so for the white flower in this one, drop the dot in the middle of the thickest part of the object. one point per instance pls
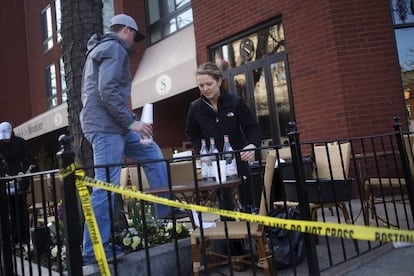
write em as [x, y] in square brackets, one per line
[54, 251]
[63, 256]
[127, 240]
[179, 228]
[135, 242]
[169, 226]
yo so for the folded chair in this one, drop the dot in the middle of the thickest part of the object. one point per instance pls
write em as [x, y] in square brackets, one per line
[236, 230]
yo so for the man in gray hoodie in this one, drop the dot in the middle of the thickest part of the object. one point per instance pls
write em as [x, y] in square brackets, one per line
[110, 125]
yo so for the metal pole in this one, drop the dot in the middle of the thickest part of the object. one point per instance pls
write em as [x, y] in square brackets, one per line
[297, 162]
[71, 218]
[6, 254]
[405, 164]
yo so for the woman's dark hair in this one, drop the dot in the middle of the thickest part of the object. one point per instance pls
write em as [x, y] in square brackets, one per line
[210, 68]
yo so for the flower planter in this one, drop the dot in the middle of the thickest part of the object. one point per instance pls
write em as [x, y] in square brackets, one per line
[163, 261]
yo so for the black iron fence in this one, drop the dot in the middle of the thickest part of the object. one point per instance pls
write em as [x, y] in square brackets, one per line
[361, 181]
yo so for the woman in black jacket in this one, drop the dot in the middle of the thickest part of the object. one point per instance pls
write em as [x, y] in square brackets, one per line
[217, 113]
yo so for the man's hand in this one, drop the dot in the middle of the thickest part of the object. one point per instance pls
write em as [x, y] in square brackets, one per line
[247, 155]
[142, 128]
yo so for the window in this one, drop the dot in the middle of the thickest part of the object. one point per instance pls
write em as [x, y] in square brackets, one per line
[47, 32]
[403, 20]
[58, 19]
[166, 17]
[251, 47]
[255, 67]
[51, 91]
[63, 87]
[107, 13]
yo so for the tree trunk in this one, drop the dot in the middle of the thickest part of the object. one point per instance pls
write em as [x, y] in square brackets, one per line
[80, 20]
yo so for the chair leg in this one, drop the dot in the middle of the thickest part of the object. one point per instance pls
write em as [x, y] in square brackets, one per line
[195, 252]
[347, 218]
[314, 217]
[264, 259]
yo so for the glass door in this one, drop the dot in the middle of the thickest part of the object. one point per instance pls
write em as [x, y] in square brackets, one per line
[264, 86]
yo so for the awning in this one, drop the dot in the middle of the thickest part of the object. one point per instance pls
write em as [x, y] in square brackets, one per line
[46, 122]
[166, 69]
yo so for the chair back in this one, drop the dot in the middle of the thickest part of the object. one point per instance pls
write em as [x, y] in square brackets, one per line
[409, 147]
[133, 176]
[181, 172]
[267, 183]
[333, 160]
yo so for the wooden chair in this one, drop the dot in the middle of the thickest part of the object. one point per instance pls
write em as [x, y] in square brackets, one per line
[329, 171]
[236, 230]
[332, 163]
[41, 204]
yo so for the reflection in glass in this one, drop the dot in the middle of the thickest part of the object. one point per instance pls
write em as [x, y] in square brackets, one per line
[51, 89]
[403, 18]
[185, 18]
[167, 17]
[405, 46]
[63, 87]
[261, 103]
[402, 12]
[47, 31]
[281, 95]
[240, 86]
[255, 46]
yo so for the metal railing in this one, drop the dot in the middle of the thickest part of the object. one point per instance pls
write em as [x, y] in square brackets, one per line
[364, 180]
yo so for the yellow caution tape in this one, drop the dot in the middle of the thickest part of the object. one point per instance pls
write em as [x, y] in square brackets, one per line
[350, 231]
[336, 230]
[92, 225]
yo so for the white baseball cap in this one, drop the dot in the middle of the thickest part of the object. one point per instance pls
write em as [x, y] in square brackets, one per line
[5, 131]
[126, 20]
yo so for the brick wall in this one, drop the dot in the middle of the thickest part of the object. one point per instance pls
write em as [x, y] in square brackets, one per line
[342, 60]
[14, 87]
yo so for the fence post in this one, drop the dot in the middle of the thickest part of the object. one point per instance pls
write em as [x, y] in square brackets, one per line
[405, 164]
[71, 218]
[6, 266]
[297, 162]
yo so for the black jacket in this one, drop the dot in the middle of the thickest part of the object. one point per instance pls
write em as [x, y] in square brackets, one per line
[17, 154]
[233, 118]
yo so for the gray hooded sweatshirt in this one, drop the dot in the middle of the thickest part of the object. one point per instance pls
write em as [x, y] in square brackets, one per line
[106, 86]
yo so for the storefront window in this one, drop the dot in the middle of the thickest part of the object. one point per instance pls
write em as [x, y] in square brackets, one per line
[252, 47]
[403, 19]
[255, 67]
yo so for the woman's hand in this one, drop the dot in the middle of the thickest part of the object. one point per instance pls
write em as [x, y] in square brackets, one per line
[142, 128]
[248, 155]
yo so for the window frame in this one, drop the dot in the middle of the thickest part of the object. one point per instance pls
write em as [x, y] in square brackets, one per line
[51, 86]
[165, 17]
[47, 28]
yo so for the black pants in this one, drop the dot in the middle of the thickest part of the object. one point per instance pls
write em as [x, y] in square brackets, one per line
[19, 218]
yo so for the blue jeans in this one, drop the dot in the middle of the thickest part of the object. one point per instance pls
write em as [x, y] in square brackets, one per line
[108, 149]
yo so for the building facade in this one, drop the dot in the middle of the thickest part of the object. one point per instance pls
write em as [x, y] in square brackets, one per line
[337, 68]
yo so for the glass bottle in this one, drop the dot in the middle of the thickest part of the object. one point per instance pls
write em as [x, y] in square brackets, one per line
[205, 162]
[213, 149]
[230, 157]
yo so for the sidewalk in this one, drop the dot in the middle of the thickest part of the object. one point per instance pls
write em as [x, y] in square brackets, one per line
[385, 260]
